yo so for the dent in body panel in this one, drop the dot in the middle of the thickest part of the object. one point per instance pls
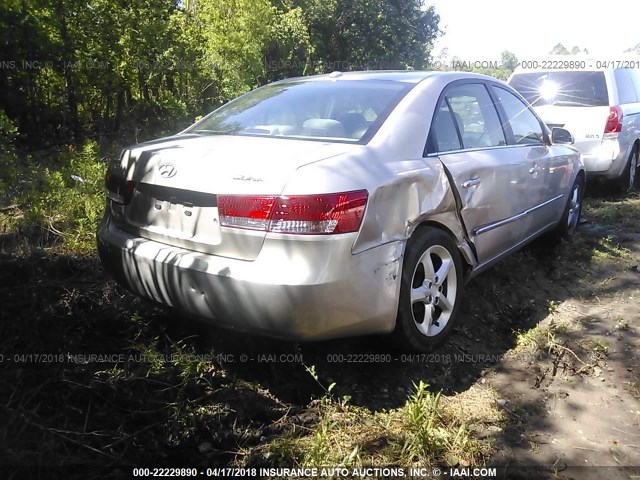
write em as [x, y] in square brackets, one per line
[396, 209]
[327, 299]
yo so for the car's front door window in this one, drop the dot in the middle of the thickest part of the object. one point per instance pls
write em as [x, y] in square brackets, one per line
[525, 126]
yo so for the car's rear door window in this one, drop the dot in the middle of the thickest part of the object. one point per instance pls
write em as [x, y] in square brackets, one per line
[524, 124]
[580, 89]
[444, 136]
[476, 116]
[635, 78]
[465, 118]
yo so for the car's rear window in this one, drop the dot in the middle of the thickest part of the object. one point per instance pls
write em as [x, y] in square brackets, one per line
[582, 89]
[344, 110]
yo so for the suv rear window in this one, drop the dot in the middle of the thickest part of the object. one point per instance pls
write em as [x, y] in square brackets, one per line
[626, 89]
[580, 89]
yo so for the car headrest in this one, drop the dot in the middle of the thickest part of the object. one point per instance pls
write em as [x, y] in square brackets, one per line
[323, 127]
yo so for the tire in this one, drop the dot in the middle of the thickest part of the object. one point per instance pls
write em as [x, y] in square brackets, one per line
[629, 177]
[432, 275]
[572, 210]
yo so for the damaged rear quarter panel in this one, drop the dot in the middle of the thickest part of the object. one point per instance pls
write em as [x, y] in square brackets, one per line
[421, 192]
[402, 194]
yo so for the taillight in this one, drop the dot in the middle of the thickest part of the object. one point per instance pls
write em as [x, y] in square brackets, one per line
[300, 214]
[118, 189]
[614, 121]
[244, 211]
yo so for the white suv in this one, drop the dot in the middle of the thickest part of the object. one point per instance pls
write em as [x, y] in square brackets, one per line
[600, 107]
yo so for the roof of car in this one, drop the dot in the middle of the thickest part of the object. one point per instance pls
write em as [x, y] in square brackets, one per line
[406, 76]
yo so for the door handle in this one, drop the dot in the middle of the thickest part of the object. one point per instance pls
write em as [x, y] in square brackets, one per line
[471, 182]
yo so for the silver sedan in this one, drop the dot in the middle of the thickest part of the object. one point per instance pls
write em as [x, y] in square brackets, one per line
[341, 204]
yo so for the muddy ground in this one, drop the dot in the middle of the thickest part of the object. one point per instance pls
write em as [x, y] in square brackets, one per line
[554, 329]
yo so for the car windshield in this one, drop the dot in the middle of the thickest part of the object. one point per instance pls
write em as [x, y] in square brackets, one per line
[343, 110]
[580, 89]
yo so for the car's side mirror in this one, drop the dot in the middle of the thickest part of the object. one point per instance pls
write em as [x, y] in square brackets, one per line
[561, 136]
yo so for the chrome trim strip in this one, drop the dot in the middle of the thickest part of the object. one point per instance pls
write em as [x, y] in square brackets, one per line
[475, 149]
[500, 223]
[484, 265]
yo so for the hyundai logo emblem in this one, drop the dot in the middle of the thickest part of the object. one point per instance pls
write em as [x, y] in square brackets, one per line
[167, 170]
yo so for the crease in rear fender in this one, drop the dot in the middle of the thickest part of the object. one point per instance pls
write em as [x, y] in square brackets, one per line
[396, 210]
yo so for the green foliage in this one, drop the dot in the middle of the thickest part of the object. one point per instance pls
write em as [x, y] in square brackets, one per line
[289, 49]
[425, 431]
[506, 66]
[65, 197]
[102, 68]
[8, 171]
[320, 448]
[370, 34]
[601, 346]
[235, 34]
[422, 417]
[560, 49]
[8, 133]
[635, 49]
[508, 61]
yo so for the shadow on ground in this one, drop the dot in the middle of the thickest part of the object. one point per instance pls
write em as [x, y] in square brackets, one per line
[90, 374]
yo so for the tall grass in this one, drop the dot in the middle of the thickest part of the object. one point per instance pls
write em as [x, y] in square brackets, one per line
[59, 198]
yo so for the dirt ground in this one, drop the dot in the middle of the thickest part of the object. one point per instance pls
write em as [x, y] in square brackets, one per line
[577, 404]
[554, 330]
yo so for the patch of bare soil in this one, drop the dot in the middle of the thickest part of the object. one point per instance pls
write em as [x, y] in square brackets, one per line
[571, 392]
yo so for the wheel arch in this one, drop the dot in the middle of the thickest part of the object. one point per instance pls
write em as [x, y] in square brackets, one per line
[465, 249]
[635, 148]
[407, 334]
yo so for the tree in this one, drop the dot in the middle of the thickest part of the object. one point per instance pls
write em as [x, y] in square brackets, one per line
[635, 49]
[370, 34]
[559, 49]
[508, 61]
[289, 49]
[107, 69]
[443, 56]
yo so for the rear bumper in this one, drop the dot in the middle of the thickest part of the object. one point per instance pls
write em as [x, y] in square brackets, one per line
[607, 161]
[304, 289]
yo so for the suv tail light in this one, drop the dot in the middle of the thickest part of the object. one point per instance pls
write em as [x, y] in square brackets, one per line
[614, 121]
[300, 214]
[118, 189]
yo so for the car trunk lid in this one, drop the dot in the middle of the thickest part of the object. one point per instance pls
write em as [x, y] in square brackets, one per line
[176, 183]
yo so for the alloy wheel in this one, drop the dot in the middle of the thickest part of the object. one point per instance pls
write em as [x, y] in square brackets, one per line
[433, 290]
[574, 208]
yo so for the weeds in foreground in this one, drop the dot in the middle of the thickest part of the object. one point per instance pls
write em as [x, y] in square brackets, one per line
[425, 429]
[619, 213]
[608, 249]
[428, 430]
[601, 346]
